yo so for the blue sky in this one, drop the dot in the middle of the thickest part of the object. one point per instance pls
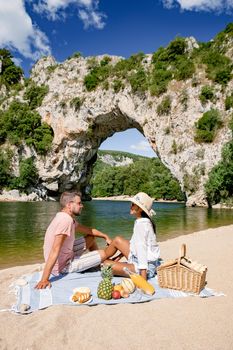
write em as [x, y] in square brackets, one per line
[31, 29]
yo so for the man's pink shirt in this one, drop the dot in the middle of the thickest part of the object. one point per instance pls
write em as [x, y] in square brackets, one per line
[64, 224]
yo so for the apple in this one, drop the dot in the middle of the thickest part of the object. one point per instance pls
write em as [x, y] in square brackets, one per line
[116, 294]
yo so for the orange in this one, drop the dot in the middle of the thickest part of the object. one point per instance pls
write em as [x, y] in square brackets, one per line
[118, 287]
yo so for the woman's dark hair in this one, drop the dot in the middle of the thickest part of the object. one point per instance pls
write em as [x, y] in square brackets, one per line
[144, 215]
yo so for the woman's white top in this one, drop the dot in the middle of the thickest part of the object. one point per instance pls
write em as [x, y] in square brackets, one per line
[143, 244]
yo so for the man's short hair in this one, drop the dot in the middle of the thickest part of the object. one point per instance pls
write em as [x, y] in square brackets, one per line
[67, 197]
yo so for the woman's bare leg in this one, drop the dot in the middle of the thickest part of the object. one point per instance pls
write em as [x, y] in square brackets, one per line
[117, 267]
[118, 243]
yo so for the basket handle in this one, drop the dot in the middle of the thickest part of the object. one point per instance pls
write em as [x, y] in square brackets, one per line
[182, 253]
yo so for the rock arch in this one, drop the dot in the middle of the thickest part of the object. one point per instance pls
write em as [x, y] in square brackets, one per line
[69, 165]
[79, 133]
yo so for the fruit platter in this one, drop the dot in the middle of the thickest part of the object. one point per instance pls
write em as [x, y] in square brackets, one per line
[107, 290]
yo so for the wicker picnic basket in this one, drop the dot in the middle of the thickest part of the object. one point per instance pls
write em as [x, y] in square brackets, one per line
[182, 274]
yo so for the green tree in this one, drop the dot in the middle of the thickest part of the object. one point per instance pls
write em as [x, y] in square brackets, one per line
[6, 58]
[176, 48]
[75, 55]
[219, 66]
[138, 81]
[229, 102]
[10, 73]
[103, 182]
[185, 68]
[219, 186]
[105, 61]
[97, 75]
[28, 175]
[35, 95]
[42, 138]
[19, 124]
[5, 168]
[137, 175]
[207, 126]
[207, 93]
[145, 174]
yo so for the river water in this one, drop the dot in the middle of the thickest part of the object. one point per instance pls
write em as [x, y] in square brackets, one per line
[22, 225]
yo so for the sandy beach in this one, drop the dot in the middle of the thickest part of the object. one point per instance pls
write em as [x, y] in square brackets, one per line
[186, 323]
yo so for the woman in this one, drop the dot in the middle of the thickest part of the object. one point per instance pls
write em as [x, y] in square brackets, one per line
[142, 251]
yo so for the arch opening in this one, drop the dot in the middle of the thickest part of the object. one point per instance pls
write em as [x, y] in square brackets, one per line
[128, 166]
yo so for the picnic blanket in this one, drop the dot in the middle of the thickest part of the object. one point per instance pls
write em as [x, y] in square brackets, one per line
[63, 285]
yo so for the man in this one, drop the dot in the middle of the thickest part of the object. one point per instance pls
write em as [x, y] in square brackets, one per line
[62, 252]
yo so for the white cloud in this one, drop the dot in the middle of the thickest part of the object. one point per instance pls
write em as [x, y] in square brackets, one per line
[91, 18]
[87, 11]
[17, 31]
[141, 146]
[53, 9]
[201, 5]
[17, 61]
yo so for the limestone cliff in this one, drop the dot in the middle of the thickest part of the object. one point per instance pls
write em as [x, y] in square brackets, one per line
[80, 129]
[115, 161]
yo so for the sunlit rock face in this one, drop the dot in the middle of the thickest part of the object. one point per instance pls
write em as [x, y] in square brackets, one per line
[79, 132]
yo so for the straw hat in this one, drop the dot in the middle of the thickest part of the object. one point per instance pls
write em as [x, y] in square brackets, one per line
[145, 202]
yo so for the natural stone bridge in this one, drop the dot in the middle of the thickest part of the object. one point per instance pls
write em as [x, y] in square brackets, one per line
[79, 133]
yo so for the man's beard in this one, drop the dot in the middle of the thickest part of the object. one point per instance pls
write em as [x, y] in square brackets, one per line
[77, 214]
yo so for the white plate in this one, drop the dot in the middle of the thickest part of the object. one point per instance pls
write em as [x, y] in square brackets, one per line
[76, 302]
[82, 290]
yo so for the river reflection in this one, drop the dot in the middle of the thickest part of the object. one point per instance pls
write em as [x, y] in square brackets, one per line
[22, 225]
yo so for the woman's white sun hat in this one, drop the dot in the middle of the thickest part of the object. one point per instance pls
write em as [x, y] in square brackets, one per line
[145, 202]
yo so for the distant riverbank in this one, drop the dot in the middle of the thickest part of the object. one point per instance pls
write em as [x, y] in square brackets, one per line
[16, 196]
[127, 198]
[113, 198]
